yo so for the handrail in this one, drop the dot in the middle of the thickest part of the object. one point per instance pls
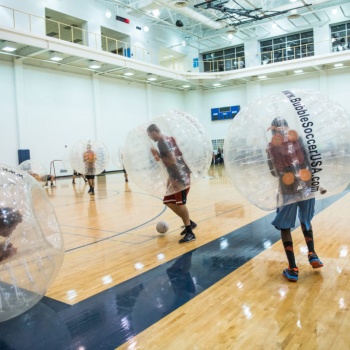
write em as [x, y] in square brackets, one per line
[38, 25]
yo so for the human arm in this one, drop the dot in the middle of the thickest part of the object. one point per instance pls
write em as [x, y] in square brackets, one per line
[6, 251]
[155, 154]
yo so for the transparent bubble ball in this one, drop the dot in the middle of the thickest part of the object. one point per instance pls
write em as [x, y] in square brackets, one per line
[149, 172]
[31, 242]
[117, 157]
[316, 124]
[89, 157]
[35, 169]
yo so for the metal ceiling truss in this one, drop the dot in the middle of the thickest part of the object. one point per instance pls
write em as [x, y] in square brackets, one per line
[242, 15]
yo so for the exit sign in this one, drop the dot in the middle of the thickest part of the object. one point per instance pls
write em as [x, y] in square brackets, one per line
[122, 19]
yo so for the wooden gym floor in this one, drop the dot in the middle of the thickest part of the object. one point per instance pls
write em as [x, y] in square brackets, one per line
[123, 285]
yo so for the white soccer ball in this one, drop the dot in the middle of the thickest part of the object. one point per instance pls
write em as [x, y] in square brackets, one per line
[162, 227]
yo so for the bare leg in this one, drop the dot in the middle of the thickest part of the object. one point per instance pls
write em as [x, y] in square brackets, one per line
[181, 211]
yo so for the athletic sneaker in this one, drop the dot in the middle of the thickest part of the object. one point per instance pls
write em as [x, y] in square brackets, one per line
[193, 226]
[90, 190]
[189, 237]
[291, 274]
[314, 261]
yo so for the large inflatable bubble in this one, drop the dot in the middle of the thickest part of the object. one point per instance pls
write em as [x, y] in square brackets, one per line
[117, 157]
[288, 147]
[31, 243]
[89, 157]
[35, 169]
[167, 154]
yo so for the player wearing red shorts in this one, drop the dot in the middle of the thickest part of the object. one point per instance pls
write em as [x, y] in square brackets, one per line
[179, 178]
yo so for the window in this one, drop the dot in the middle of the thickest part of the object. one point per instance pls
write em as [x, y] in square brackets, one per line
[217, 144]
[287, 47]
[340, 34]
[222, 60]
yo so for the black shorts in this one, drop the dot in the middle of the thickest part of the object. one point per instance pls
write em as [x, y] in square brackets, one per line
[76, 173]
[90, 177]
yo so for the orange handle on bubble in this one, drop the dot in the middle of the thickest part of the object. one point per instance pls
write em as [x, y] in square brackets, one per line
[288, 178]
[305, 174]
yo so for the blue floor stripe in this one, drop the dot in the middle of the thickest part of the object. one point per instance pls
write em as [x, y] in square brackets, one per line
[110, 318]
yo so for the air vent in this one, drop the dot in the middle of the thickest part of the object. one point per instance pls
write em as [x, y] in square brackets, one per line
[181, 3]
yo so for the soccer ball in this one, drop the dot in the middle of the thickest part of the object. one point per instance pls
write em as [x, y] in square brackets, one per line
[162, 226]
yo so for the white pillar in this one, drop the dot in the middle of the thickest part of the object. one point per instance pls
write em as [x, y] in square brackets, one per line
[96, 104]
[21, 117]
[252, 53]
[149, 97]
[322, 40]
[323, 82]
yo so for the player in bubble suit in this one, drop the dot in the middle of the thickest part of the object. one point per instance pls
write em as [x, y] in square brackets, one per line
[179, 178]
[44, 178]
[287, 160]
[9, 219]
[90, 160]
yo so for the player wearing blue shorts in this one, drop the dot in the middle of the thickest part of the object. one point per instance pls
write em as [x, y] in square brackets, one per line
[283, 164]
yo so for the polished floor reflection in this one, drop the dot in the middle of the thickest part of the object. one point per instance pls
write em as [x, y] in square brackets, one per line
[124, 285]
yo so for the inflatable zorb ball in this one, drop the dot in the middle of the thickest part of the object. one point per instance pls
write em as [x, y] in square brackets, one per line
[180, 152]
[34, 169]
[288, 147]
[31, 243]
[89, 157]
[117, 157]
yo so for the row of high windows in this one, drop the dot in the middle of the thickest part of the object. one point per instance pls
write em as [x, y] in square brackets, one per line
[290, 47]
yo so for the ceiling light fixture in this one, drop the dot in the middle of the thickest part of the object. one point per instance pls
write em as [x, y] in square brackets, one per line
[274, 25]
[151, 77]
[293, 14]
[298, 71]
[180, 3]
[55, 56]
[186, 86]
[94, 65]
[338, 65]
[293, 0]
[262, 76]
[216, 84]
[8, 47]
[334, 11]
[183, 43]
[129, 73]
[230, 33]
[108, 14]
[156, 13]
[146, 28]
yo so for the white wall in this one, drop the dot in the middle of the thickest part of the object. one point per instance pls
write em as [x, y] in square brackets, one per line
[8, 116]
[58, 109]
[231, 96]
